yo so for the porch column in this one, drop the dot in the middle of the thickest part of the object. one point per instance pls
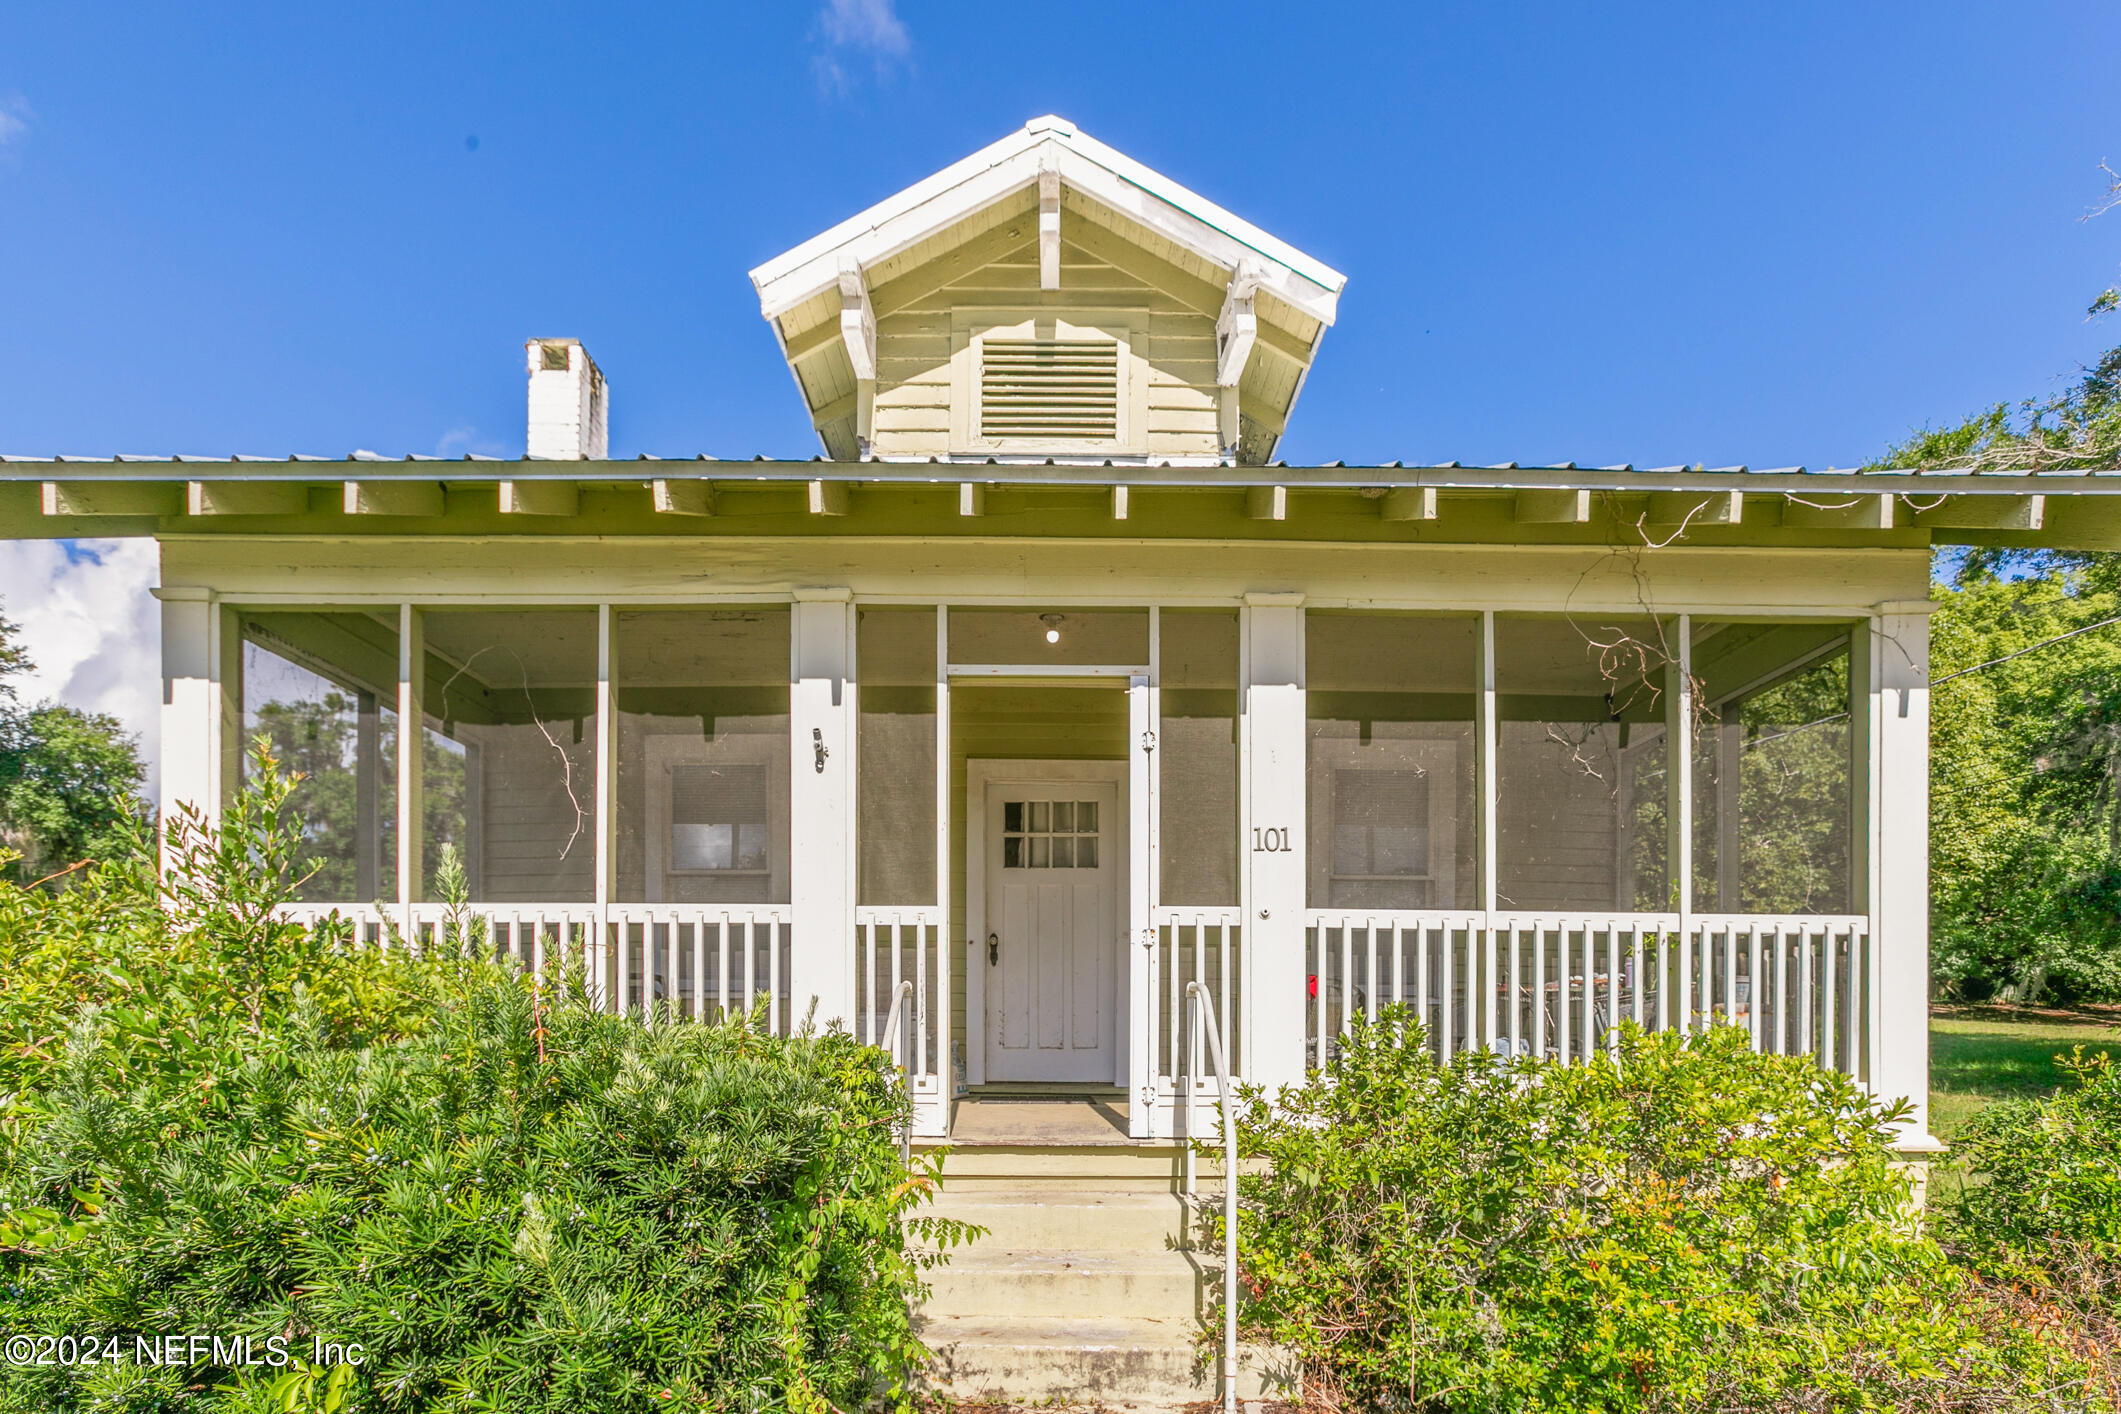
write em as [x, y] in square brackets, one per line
[1274, 794]
[1895, 864]
[821, 808]
[200, 739]
[412, 756]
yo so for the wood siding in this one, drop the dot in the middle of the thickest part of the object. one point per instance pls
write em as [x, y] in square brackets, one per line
[915, 372]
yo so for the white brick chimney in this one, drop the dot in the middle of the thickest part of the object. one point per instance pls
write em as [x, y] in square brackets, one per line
[570, 403]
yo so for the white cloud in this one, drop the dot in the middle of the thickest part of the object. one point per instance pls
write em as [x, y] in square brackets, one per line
[15, 118]
[93, 631]
[864, 24]
[850, 27]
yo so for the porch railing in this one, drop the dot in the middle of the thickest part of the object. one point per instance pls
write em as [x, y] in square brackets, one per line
[1204, 945]
[697, 962]
[1558, 984]
[894, 946]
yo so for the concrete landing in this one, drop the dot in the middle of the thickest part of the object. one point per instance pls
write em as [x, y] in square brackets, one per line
[1030, 1122]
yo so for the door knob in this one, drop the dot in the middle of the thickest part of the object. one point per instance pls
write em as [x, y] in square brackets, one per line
[994, 949]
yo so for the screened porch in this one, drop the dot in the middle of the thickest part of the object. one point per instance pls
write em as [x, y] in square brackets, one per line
[775, 810]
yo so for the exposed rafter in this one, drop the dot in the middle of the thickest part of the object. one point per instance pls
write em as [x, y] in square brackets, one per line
[1267, 503]
[1691, 508]
[1408, 503]
[1552, 507]
[540, 498]
[222, 498]
[1981, 512]
[1840, 512]
[687, 496]
[392, 498]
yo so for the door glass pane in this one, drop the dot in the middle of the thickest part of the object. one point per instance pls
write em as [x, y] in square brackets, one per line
[703, 755]
[1773, 768]
[1391, 818]
[322, 689]
[895, 667]
[1196, 742]
[1581, 763]
[510, 773]
[1049, 834]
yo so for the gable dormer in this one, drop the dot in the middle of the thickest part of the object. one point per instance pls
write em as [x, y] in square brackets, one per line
[1048, 298]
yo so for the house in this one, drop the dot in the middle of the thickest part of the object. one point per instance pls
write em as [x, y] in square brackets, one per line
[1046, 690]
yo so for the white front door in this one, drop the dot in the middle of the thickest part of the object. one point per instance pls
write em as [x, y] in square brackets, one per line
[1052, 886]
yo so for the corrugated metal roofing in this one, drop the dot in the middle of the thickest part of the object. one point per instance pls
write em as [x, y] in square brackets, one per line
[1433, 472]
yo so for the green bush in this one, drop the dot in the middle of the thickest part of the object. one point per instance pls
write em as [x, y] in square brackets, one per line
[509, 1200]
[2040, 1204]
[1679, 1225]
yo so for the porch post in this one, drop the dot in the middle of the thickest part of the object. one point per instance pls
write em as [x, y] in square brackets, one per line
[192, 725]
[1140, 1004]
[1897, 878]
[1274, 793]
[412, 757]
[821, 808]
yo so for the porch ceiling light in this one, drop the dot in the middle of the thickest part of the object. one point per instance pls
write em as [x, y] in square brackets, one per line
[1052, 623]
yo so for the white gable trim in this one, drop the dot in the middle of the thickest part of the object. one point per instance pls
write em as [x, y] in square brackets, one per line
[1086, 165]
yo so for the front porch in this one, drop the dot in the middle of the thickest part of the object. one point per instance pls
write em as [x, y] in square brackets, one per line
[1315, 811]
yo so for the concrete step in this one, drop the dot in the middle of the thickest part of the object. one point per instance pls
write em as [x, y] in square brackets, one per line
[984, 1280]
[1155, 1167]
[1033, 1217]
[1105, 1360]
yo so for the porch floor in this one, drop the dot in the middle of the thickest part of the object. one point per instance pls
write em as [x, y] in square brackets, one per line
[1005, 1121]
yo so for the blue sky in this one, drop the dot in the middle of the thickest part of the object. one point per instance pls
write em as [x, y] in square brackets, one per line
[1651, 233]
[1646, 233]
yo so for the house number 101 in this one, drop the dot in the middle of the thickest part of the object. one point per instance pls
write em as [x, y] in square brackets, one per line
[1275, 841]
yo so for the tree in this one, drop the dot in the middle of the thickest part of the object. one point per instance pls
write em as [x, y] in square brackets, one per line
[2025, 752]
[69, 780]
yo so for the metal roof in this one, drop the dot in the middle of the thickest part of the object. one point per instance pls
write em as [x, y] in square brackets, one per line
[368, 465]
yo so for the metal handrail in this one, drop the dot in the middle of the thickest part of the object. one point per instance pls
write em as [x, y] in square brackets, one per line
[1200, 1008]
[901, 1003]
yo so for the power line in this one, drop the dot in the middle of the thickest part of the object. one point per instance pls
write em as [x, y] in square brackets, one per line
[2030, 648]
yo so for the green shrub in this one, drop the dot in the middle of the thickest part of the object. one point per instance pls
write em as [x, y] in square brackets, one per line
[509, 1200]
[2041, 1202]
[1679, 1225]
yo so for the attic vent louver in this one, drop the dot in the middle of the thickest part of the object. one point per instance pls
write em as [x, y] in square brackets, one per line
[1049, 389]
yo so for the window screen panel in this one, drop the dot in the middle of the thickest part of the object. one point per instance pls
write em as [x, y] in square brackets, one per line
[1774, 769]
[510, 767]
[1392, 815]
[1197, 763]
[322, 689]
[895, 666]
[1581, 763]
[703, 760]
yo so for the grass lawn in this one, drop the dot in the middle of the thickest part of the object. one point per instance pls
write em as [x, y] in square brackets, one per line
[1979, 1055]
